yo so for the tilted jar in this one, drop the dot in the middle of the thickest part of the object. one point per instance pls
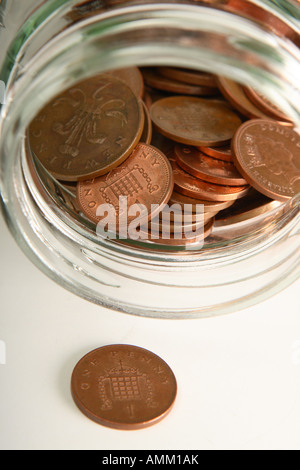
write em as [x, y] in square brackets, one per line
[48, 46]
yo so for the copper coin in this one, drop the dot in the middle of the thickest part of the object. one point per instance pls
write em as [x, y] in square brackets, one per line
[267, 154]
[249, 207]
[209, 169]
[236, 96]
[188, 213]
[133, 77]
[123, 387]
[192, 77]
[145, 178]
[180, 206]
[167, 225]
[208, 206]
[177, 239]
[155, 80]
[220, 153]
[195, 121]
[146, 136]
[265, 105]
[87, 130]
[196, 188]
[189, 218]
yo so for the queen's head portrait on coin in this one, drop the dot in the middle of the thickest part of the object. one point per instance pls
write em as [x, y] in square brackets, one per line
[279, 160]
[267, 154]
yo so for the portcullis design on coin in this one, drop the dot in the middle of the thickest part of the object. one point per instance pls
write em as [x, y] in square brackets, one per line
[123, 387]
[145, 179]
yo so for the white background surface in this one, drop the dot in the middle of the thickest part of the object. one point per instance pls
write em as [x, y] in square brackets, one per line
[238, 376]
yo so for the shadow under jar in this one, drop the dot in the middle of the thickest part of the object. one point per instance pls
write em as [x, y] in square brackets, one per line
[61, 43]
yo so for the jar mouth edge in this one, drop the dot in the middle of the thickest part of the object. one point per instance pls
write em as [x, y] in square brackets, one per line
[62, 33]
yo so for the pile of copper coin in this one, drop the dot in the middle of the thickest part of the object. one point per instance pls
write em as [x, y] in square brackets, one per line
[167, 137]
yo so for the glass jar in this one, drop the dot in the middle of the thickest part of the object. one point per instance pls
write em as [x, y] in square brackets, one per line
[49, 46]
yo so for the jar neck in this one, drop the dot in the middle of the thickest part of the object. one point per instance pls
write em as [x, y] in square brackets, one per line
[149, 34]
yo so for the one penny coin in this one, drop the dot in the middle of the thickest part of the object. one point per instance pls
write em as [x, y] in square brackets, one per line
[188, 213]
[208, 206]
[123, 387]
[209, 169]
[87, 130]
[265, 105]
[195, 121]
[193, 237]
[267, 154]
[192, 77]
[187, 217]
[247, 208]
[166, 225]
[196, 188]
[153, 79]
[145, 178]
[236, 96]
[220, 153]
